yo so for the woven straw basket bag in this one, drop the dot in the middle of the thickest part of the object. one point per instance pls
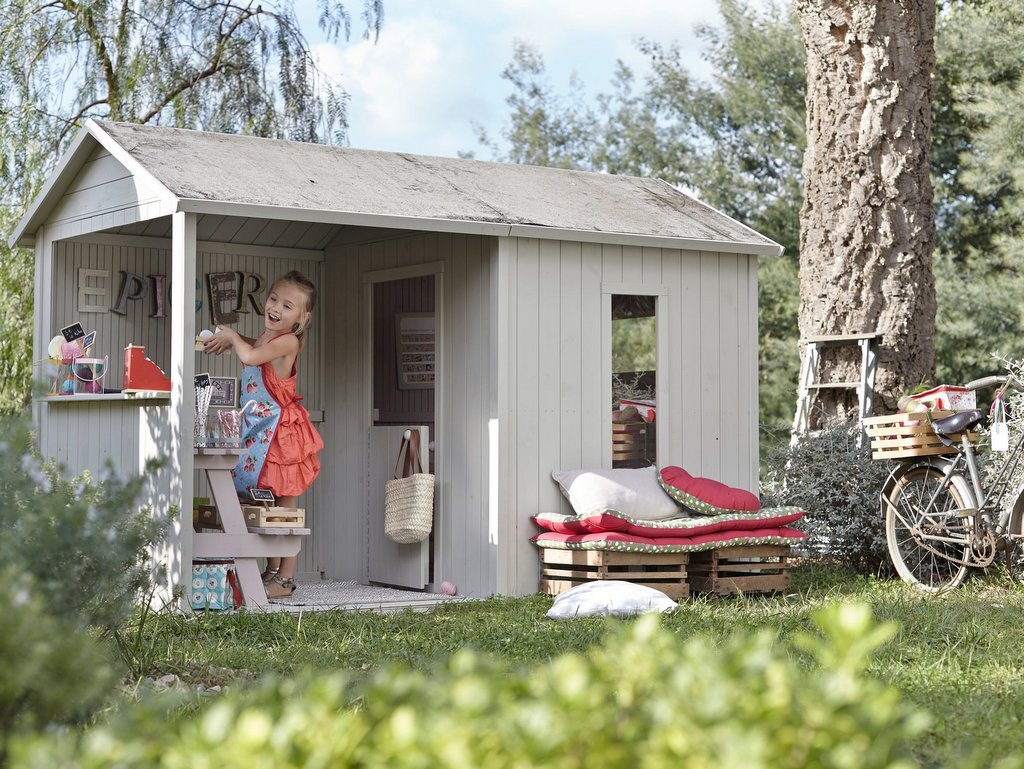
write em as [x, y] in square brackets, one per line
[409, 500]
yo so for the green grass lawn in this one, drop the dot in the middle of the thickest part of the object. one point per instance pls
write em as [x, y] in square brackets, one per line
[959, 656]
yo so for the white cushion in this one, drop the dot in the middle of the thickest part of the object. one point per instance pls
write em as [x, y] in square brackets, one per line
[635, 493]
[609, 598]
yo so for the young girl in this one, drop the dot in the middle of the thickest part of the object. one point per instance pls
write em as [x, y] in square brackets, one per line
[282, 442]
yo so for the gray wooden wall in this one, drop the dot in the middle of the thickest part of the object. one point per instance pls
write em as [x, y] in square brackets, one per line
[554, 376]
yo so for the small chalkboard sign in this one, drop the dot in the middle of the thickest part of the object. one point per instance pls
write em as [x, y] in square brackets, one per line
[262, 495]
[73, 332]
[89, 340]
[202, 380]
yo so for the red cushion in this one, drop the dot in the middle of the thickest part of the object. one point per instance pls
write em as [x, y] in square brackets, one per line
[612, 520]
[620, 541]
[704, 495]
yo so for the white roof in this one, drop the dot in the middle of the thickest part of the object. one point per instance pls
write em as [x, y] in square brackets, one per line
[228, 174]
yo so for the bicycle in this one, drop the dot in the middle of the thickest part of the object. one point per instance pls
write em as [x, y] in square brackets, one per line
[941, 518]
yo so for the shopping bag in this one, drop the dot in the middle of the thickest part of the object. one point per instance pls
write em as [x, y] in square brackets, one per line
[409, 500]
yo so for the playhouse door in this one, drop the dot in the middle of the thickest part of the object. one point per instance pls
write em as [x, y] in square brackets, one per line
[391, 563]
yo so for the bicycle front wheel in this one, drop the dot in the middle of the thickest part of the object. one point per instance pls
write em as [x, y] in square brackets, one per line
[928, 528]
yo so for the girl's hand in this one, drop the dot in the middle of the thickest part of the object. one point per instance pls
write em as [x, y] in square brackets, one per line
[221, 342]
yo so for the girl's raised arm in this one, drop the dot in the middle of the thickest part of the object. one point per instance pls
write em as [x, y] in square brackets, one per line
[284, 346]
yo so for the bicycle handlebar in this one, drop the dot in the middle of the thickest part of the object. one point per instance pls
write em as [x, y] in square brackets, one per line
[995, 380]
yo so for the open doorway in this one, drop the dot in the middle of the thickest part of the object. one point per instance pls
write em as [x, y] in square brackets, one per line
[403, 374]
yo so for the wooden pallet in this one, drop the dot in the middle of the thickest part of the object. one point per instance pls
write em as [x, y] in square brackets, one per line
[742, 569]
[564, 569]
[260, 517]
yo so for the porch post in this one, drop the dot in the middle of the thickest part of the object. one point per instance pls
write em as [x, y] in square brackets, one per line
[182, 407]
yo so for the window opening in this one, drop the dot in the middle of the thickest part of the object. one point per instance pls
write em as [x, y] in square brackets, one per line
[634, 380]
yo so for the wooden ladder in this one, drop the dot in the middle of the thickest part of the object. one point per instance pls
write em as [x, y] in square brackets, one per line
[810, 365]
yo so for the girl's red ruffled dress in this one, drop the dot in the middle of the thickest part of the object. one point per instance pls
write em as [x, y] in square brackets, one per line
[283, 444]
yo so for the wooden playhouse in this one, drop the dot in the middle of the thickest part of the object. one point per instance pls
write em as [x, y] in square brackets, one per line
[507, 279]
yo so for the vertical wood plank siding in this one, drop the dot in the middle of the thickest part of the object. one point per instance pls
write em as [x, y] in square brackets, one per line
[83, 435]
[553, 410]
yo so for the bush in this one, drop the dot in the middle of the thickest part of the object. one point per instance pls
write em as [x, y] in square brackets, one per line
[83, 545]
[837, 483]
[73, 560]
[643, 699]
[52, 672]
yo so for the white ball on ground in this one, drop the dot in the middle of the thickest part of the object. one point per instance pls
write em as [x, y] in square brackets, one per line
[449, 588]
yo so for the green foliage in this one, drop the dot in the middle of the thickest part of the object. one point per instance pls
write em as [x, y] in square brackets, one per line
[53, 671]
[74, 560]
[546, 130]
[837, 483]
[16, 306]
[633, 345]
[82, 545]
[976, 140]
[644, 698]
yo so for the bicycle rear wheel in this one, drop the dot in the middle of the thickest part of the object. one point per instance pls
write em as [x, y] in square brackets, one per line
[927, 530]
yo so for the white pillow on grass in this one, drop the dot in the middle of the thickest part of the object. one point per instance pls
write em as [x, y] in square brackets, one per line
[634, 492]
[609, 598]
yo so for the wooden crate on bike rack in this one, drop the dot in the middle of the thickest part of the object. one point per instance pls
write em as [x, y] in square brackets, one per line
[899, 436]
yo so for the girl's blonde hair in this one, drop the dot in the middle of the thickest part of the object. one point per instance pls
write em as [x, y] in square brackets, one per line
[305, 285]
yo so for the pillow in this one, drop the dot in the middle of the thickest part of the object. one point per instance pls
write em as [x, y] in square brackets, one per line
[633, 492]
[609, 598]
[705, 496]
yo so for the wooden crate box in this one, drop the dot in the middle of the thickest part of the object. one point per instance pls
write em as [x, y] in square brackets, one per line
[259, 517]
[742, 569]
[564, 569]
[899, 436]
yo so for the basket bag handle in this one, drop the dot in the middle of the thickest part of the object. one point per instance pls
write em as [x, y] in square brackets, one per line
[411, 447]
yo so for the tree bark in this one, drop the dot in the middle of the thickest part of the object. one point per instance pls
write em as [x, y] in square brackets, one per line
[867, 227]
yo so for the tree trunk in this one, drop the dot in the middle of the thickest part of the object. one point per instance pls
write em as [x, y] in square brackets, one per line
[867, 227]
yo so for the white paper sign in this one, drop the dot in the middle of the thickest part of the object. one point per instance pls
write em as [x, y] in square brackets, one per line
[1000, 437]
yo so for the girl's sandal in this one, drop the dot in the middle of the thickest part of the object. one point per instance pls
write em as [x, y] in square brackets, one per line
[279, 587]
[269, 574]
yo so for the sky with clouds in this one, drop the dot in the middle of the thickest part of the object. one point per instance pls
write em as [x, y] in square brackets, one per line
[437, 65]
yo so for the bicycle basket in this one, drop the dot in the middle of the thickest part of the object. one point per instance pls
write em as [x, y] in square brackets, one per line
[899, 436]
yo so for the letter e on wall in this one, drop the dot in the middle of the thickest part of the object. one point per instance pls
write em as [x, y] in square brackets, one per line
[92, 290]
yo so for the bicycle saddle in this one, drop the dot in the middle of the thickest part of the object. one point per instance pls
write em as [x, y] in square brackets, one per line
[957, 423]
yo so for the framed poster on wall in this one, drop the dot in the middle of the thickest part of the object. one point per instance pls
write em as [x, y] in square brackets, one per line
[416, 348]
